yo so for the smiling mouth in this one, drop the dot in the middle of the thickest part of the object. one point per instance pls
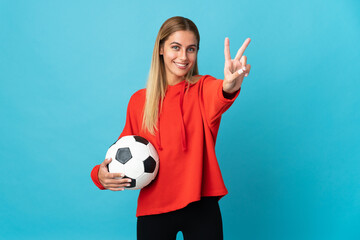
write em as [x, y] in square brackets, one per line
[181, 65]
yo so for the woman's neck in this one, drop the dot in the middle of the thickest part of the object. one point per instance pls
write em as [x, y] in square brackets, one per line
[173, 81]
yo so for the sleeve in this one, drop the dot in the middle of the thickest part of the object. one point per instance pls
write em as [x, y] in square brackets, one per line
[214, 99]
[94, 177]
[129, 129]
[131, 125]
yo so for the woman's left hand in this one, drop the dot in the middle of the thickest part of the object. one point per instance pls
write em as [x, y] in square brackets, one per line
[235, 69]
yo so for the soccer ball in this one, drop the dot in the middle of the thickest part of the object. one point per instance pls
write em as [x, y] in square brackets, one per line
[136, 157]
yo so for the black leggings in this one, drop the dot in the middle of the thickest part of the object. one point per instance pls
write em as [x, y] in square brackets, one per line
[198, 220]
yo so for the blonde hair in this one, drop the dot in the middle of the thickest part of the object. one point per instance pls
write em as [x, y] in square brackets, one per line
[157, 84]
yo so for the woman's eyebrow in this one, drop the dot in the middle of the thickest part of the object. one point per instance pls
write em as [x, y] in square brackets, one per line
[192, 45]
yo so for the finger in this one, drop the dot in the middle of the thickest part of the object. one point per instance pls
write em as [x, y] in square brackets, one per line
[242, 49]
[117, 185]
[119, 181]
[115, 175]
[105, 162]
[227, 49]
[116, 189]
[236, 74]
[240, 71]
[247, 70]
[110, 182]
[243, 61]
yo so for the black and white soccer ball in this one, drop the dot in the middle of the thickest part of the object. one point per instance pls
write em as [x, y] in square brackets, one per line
[136, 157]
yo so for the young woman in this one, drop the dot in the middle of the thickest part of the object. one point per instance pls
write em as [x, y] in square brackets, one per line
[179, 112]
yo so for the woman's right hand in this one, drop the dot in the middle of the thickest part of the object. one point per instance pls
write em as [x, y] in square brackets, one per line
[110, 180]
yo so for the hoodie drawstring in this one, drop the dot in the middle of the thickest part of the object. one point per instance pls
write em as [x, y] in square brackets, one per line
[183, 131]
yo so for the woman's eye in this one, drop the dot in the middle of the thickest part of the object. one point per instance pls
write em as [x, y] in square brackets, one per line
[175, 47]
[191, 49]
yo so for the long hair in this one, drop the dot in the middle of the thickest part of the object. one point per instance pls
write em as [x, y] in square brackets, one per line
[157, 84]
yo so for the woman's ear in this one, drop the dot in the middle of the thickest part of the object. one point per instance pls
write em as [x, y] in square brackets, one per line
[162, 50]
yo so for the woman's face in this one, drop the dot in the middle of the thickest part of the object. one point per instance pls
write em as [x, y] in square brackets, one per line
[179, 52]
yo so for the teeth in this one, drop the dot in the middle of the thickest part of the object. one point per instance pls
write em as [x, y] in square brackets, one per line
[181, 65]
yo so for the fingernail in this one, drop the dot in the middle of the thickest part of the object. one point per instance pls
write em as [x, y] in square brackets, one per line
[244, 68]
[246, 74]
[240, 71]
[122, 175]
[129, 180]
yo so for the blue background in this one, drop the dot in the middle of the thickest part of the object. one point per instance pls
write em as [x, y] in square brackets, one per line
[288, 147]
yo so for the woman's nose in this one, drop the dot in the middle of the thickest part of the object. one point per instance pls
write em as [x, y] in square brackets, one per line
[183, 55]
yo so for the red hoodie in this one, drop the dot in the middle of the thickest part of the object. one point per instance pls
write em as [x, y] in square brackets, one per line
[187, 128]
